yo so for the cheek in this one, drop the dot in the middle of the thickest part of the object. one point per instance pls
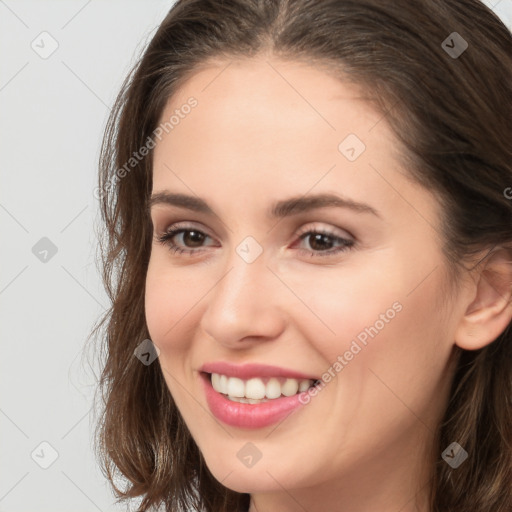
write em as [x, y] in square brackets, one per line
[404, 364]
[169, 305]
[357, 303]
[168, 300]
[367, 309]
[376, 320]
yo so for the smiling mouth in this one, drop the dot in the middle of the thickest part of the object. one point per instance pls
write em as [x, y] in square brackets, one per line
[258, 390]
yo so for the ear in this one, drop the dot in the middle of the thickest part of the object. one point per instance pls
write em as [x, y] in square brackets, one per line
[490, 311]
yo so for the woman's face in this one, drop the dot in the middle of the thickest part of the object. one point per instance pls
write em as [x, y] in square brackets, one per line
[352, 294]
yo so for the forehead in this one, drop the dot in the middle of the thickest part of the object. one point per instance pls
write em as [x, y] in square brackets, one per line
[261, 109]
[267, 128]
[273, 95]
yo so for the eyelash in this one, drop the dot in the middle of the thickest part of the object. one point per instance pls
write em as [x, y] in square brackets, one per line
[166, 240]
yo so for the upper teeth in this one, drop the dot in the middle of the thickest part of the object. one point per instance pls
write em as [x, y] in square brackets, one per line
[257, 388]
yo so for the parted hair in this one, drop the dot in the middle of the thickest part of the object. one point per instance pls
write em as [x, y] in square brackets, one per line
[452, 116]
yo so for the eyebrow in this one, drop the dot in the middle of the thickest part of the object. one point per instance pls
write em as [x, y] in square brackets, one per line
[280, 209]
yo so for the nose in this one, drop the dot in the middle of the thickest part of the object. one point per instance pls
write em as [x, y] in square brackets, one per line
[244, 306]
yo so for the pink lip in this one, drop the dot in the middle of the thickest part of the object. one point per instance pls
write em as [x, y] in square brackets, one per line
[248, 371]
[248, 416]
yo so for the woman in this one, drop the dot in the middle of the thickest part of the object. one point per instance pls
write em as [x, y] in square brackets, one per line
[307, 221]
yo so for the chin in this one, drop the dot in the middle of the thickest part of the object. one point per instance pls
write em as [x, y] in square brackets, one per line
[265, 476]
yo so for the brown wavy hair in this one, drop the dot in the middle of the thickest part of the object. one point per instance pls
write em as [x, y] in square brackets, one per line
[453, 118]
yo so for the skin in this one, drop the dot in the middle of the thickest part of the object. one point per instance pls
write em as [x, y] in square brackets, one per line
[266, 130]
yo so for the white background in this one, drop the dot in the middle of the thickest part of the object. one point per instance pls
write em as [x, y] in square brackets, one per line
[52, 114]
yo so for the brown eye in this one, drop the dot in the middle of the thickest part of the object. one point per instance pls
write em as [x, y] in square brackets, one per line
[183, 240]
[192, 238]
[323, 243]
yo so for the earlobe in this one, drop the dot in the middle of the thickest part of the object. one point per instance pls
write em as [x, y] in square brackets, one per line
[490, 311]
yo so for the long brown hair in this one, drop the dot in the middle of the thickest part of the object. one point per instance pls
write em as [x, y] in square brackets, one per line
[453, 117]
